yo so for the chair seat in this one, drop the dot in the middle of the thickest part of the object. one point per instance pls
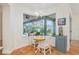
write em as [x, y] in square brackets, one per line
[43, 46]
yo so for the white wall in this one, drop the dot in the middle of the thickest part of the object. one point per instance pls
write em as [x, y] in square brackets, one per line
[0, 23]
[64, 11]
[13, 23]
[8, 29]
[75, 26]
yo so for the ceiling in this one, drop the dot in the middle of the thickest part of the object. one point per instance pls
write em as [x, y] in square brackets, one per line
[37, 6]
[74, 8]
[47, 6]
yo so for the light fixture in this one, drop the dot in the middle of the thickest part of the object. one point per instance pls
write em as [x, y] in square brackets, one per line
[38, 14]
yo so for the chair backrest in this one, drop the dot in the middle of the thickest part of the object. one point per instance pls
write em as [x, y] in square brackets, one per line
[49, 39]
[44, 43]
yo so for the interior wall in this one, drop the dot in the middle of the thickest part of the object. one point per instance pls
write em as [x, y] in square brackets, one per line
[0, 23]
[63, 11]
[13, 24]
[75, 27]
[19, 10]
[8, 29]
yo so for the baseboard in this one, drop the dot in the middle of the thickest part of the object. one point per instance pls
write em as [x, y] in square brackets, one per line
[7, 52]
[75, 39]
[17, 47]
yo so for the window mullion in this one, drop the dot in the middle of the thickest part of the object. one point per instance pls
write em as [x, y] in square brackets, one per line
[45, 26]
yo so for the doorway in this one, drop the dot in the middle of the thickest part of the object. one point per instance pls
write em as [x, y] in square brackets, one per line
[70, 18]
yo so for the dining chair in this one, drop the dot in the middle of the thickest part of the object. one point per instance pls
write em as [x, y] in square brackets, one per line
[44, 47]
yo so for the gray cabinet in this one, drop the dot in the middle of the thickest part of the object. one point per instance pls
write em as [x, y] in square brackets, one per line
[61, 43]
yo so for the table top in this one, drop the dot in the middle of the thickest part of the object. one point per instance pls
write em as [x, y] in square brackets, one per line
[39, 38]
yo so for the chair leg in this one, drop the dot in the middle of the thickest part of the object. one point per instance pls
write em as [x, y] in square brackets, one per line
[44, 52]
[50, 50]
[37, 50]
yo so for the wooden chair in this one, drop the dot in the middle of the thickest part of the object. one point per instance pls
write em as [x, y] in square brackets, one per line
[44, 47]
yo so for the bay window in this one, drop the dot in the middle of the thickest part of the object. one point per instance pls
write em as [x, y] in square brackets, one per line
[41, 26]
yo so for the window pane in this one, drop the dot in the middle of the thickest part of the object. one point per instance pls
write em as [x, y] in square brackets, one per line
[42, 26]
[34, 27]
[50, 28]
